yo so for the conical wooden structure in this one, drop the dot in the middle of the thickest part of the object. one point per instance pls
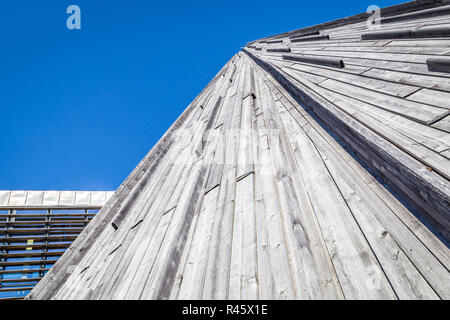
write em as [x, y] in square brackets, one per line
[315, 165]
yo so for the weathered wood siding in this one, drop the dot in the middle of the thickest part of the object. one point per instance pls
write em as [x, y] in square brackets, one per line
[253, 193]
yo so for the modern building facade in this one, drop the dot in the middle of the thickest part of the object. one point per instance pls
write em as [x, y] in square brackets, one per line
[315, 165]
[36, 228]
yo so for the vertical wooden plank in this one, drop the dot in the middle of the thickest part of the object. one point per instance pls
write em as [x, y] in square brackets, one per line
[218, 270]
[194, 272]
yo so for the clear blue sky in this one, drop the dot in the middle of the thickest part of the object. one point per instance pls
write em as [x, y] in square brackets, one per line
[80, 109]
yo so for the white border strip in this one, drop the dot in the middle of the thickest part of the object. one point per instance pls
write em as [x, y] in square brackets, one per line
[53, 199]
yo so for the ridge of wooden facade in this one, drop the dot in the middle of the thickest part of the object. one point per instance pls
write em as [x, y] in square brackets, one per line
[323, 175]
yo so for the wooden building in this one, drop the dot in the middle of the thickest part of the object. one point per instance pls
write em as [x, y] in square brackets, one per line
[315, 165]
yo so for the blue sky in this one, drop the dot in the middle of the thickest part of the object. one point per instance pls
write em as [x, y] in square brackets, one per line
[80, 108]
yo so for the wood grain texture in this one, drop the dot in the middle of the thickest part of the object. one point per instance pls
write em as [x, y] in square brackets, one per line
[288, 180]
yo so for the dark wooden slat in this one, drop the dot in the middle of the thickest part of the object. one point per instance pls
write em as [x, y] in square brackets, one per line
[431, 32]
[38, 223]
[438, 64]
[24, 271]
[275, 41]
[19, 280]
[53, 215]
[26, 263]
[397, 34]
[313, 38]
[331, 62]
[16, 289]
[408, 33]
[38, 238]
[31, 254]
[302, 35]
[40, 230]
[279, 50]
[34, 246]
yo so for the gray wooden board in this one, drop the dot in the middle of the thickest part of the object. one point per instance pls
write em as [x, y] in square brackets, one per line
[443, 124]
